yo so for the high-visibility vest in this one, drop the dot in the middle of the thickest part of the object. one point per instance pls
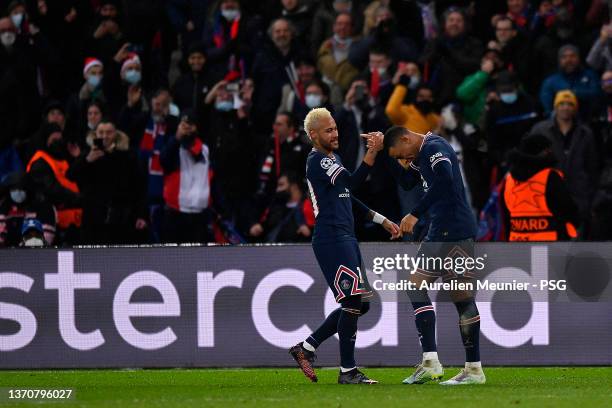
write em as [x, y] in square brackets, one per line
[69, 216]
[530, 217]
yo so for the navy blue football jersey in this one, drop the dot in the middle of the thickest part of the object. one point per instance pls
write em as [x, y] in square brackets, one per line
[449, 212]
[331, 199]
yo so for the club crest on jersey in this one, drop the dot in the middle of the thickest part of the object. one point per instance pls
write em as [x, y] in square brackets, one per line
[326, 163]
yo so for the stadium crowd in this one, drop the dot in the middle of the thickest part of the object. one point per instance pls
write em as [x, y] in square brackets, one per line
[155, 121]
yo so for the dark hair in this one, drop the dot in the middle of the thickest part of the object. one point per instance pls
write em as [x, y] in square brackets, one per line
[379, 50]
[99, 104]
[106, 120]
[290, 118]
[424, 86]
[324, 87]
[159, 91]
[506, 18]
[392, 135]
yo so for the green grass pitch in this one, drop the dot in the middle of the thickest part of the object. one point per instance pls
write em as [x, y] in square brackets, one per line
[576, 387]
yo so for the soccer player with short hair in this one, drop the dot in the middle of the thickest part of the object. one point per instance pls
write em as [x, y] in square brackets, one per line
[451, 234]
[335, 245]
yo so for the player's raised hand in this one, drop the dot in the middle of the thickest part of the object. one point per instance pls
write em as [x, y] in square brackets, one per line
[374, 140]
[408, 223]
[392, 228]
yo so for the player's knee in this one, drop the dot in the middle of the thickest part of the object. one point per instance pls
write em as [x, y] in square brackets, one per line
[467, 310]
[352, 304]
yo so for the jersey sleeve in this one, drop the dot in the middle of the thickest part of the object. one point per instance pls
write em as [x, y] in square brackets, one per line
[437, 154]
[323, 168]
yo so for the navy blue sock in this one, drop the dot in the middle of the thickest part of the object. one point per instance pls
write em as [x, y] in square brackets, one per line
[469, 326]
[328, 328]
[425, 319]
[347, 330]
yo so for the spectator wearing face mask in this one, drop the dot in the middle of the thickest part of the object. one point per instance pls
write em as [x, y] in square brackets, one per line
[48, 170]
[332, 59]
[508, 118]
[234, 148]
[294, 92]
[231, 40]
[91, 90]
[475, 89]
[18, 202]
[32, 234]
[452, 56]
[53, 112]
[188, 182]
[289, 216]
[317, 95]
[112, 188]
[418, 116]
[583, 82]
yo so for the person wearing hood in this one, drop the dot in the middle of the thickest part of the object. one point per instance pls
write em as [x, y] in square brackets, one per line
[48, 170]
[190, 89]
[583, 82]
[113, 189]
[299, 13]
[536, 200]
[19, 202]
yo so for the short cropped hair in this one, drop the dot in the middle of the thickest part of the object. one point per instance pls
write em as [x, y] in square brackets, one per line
[392, 135]
[313, 117]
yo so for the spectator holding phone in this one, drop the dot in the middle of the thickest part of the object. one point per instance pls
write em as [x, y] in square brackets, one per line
[113, 188]
[418, 116]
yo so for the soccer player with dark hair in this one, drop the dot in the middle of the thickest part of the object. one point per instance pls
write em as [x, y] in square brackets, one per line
[335, 245]
[432, 160]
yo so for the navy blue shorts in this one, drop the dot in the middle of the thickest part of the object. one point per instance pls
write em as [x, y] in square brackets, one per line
[342, 268]
[446, 260]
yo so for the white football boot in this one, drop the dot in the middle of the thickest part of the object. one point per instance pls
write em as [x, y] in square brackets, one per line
[470, 374]
[428, 370]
